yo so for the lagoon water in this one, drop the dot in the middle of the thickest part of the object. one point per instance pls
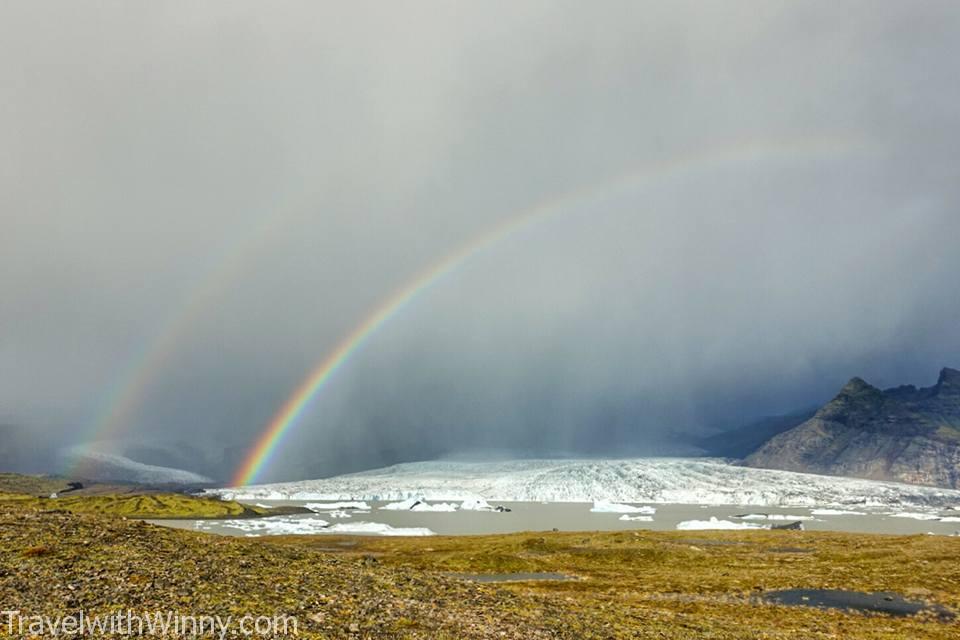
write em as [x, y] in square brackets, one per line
[577, 516]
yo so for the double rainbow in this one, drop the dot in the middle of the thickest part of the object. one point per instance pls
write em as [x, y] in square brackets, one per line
[267, 444]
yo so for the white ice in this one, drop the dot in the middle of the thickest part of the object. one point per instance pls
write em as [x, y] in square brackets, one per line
[714, 523]
[475, 504]
[403, 505]
[641, 480]
[629, 518]
[837, 512]
[915, 516]
[337, 506]
[602, 506]
[443, 506]
[378, 528]
[293, 525]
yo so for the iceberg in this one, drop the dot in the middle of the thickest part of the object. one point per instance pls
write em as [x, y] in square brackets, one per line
[602, 506]
[271, 526]
[293, 525]
[418, 504]
[403, 505]
[378, 529]
[837, 512]
[475, 504]
[337, 506]
[915, 516]
[773, 516]
[714, 523]
[443, 506]
[629, 518]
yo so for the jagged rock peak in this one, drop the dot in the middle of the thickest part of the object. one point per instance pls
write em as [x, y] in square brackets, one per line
[949, 376]
[855, 386]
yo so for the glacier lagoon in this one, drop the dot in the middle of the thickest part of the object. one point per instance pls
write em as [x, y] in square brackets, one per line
[458, 498]
[568, 516]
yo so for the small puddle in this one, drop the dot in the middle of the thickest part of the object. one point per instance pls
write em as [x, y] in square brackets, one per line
[882, 602]
[509, 577]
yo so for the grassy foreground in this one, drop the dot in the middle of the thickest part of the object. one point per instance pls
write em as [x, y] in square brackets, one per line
[629, 584]
[155, 506]
[698, 584]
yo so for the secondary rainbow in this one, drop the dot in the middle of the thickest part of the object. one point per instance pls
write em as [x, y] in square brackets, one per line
[260, 455]
[131, 385]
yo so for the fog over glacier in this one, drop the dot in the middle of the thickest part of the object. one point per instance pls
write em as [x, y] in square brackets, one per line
[204, 199]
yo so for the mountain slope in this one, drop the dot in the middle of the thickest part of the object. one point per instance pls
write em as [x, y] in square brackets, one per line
[903, 434]
[108, 467]
[742, 441]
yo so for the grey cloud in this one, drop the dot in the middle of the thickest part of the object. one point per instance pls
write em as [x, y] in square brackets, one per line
[331, 152]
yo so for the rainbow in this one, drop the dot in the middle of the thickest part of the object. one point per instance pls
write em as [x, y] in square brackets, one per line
[152, 357]
[260, 455]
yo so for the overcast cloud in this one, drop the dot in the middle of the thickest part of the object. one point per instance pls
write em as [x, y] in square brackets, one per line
[279, 171]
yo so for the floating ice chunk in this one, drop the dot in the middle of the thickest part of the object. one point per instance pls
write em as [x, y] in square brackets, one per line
[419, 504]
[443, 506]
[714, 523]
[403, 505]
[292, 525]
[837, 512]
[337, 506]
[475, 504]
[379, 529]
[602, 506]
[915, 516]
[629, 518]
[773, 516]
[276, 526]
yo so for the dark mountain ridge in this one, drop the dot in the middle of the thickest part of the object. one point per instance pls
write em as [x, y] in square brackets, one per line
[907, 434]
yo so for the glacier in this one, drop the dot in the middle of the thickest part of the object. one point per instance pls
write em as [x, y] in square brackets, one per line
[110, 467]
[703, 481]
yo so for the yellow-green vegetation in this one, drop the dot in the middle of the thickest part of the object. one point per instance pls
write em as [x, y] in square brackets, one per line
[152, 506]
[948, 433]
[56, 563]
[31, 485]
[675, 585]
[699, 584]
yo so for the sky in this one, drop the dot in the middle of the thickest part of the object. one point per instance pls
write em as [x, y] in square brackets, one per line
[198, 201]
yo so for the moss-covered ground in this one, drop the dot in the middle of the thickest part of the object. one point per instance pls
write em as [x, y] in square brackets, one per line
[628, 584]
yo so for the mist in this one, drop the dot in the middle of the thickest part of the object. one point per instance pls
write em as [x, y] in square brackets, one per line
[247, 185]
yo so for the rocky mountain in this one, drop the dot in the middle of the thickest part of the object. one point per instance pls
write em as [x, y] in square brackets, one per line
[904, 434]
[742, 441]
